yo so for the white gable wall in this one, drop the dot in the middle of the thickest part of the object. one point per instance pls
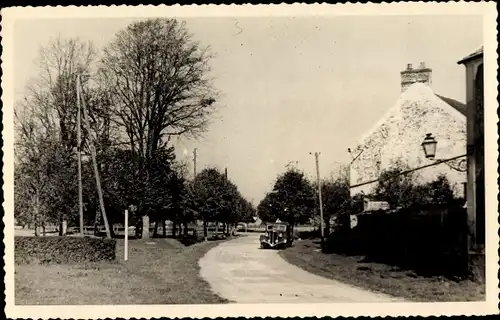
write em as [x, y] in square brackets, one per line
[399, 135]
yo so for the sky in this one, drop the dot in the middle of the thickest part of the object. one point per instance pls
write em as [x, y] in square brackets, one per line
[290, 86]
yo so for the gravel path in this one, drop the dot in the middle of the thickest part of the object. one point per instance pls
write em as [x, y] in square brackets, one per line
[240, 271]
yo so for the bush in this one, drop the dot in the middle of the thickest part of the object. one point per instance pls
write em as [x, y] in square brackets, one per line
[402, 191]
[61, 250]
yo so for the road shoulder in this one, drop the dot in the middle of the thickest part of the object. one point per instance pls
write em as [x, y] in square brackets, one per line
[378, 277]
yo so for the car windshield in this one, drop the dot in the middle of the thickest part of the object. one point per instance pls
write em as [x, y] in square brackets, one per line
[280, 227]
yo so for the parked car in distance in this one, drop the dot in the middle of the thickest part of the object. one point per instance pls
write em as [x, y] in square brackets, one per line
[278, 235]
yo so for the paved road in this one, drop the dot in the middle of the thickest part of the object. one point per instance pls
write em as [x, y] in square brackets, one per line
[240, 271]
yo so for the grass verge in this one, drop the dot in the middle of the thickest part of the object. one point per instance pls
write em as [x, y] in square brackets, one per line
[158, 271]
[380, 277]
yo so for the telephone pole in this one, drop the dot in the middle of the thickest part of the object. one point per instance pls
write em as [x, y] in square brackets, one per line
[316, 155]
[194, 163]
[96, 169]
[79, 155]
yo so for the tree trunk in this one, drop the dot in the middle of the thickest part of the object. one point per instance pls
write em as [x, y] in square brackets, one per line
[155, 232]
[205, 231]
[327, 226]
[164, 228]
[145, 227]
[43, 229]
[37, 208]
[112, 231]
[174, 229]
[185, 229]
[60, 226]
[216, 229]
[138, 229]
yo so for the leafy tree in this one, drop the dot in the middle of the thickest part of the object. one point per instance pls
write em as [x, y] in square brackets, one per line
[44, 186]
[248, 211]
[124, 185]
[401, 190]
[396, 188]
[438, 191]
[216, 198]
[266, 209]
[336, 200]
[292, 199]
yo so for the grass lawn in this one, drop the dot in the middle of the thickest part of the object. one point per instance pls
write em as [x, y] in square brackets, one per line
[165, 272]
[380, 277]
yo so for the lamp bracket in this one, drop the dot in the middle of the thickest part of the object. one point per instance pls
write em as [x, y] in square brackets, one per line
[455, 164]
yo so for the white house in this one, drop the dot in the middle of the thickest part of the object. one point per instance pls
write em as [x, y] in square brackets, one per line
[397, 137]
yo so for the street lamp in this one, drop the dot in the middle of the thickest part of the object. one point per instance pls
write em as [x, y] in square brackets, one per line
[429, 146]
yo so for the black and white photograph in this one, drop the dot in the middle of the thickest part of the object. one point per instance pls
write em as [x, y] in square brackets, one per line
[221, 161]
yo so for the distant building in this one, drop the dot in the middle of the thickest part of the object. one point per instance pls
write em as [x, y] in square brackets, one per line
[410, 76]
[397, 137]
[375, 205]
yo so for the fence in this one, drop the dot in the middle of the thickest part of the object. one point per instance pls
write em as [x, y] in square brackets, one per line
[430, 240]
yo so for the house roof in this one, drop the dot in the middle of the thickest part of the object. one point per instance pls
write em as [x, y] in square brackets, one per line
[415, 91]
[457, 105]
[475, 54]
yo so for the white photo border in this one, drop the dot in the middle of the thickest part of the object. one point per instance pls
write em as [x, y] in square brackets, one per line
[490, 306]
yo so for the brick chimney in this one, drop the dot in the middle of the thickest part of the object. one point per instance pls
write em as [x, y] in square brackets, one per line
[410, 76]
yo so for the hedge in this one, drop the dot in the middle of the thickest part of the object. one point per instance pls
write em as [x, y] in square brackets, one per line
[61, 250]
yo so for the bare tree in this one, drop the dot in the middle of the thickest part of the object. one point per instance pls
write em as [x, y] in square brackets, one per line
[45, 123]
[52, 94]
[159, 79]
[159, 82]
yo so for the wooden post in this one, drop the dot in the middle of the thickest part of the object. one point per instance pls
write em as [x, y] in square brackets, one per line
[79, 154]
[96, 171]
[316, 155]
[126, 236]
[37, 211]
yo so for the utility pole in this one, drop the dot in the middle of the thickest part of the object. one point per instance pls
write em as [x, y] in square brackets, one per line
[316, 155]
[79, 155]
[96, 170]
[225, 173]
[353, 159]
[194, 163]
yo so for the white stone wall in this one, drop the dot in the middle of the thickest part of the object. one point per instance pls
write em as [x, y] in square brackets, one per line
[399, 135]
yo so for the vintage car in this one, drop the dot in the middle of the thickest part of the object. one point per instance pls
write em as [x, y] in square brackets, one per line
[278, 235]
